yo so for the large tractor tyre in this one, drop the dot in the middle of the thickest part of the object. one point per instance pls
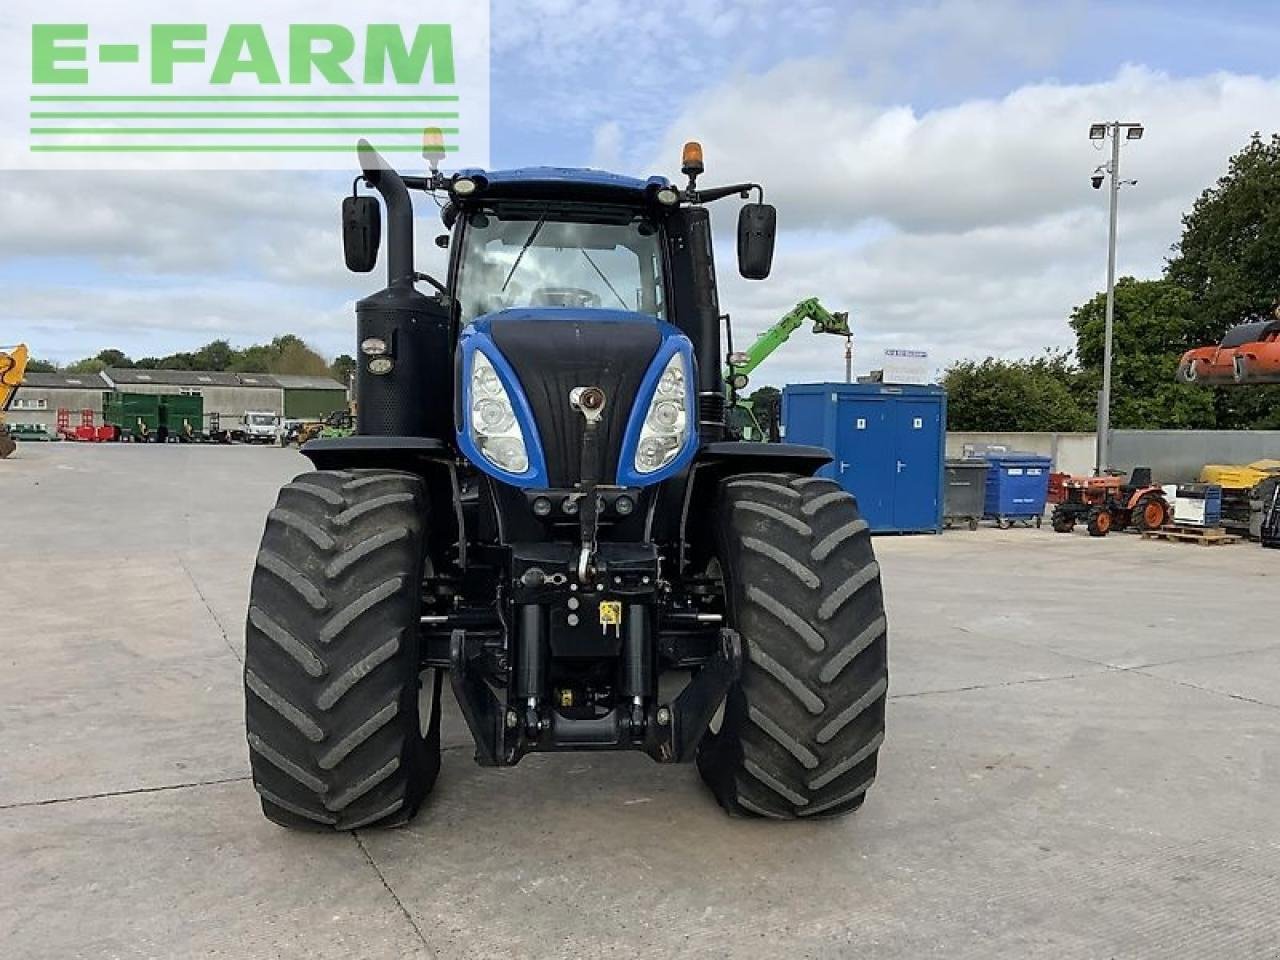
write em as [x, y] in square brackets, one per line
[800, 732]
[1100, 522]
[1149, 513]
[1062, 521]
[336, 739]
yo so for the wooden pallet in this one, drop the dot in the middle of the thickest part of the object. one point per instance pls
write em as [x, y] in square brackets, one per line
[1208, 536]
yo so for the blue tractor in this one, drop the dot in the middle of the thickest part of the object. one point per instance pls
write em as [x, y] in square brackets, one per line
[542, 503]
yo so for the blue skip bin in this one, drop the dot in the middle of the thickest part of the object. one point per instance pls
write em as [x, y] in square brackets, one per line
[1017, 487]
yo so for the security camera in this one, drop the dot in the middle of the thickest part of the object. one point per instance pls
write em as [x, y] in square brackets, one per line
[1096, 180]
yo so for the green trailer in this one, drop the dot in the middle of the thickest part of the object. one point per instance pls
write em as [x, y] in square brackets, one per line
[181, 418]
[135, 416]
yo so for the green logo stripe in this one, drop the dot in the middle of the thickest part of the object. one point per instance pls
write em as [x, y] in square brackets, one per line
[218, 148]
[297, 131]
[169, 98]
[238, 115]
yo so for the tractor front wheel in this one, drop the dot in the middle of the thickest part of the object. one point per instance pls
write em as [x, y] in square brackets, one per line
[802, 729]
[1100, 522]
[331, 673]
[1062, 521]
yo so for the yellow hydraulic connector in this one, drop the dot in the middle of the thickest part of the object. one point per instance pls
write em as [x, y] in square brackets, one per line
[13, 366]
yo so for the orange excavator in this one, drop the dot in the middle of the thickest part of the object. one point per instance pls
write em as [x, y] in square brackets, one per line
[13, 365]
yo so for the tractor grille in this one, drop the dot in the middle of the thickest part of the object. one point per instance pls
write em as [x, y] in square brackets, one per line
[552, 355]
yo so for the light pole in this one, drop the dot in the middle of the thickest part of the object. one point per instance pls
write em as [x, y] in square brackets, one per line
[1100, 131]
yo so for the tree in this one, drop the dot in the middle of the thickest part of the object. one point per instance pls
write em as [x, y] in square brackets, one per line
[1044, 393]
[343, 368]
[254, 359]
[1154, 324]
[1228, 259]
[177, 361]
[285, 354]
[114, 358]
[41, 366]
[103, 359]
[295, 357]
[217, 355]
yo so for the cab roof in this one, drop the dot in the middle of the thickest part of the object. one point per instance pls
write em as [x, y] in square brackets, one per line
[563, 183]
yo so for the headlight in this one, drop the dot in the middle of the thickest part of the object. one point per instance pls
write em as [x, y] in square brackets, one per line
[492, 419]
[666, 424]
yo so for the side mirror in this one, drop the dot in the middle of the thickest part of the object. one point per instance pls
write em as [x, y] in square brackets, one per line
[361, 233]
[757, 225]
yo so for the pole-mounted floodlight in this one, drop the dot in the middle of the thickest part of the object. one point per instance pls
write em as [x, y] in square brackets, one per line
[1100, 131]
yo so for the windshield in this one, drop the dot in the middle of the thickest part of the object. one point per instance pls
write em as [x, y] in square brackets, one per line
[262, 420]
[540, 259]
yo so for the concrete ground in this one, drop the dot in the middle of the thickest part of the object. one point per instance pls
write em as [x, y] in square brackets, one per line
[1083, 760]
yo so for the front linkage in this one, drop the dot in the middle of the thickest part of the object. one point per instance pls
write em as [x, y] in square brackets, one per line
[669, 733]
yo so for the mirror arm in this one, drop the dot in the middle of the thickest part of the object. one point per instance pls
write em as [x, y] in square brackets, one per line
[718, 193]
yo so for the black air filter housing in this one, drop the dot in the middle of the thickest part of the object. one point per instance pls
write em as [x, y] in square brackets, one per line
[414, 399]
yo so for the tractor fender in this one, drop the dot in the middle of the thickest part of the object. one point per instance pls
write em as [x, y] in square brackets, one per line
[375, 452]
[1142, 492]
[431, 459]
[717, 461]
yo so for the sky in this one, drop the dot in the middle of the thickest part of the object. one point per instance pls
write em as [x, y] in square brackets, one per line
[929, 162]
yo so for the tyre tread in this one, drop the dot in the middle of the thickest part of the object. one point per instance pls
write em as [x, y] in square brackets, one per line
[801, 732]
[331, 653]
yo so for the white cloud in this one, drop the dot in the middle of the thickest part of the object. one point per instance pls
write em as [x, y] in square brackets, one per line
[64, 322]
[606, 146]
[902, 49]
[970, 229]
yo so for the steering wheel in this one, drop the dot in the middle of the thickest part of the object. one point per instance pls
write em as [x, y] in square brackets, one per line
[564, 297]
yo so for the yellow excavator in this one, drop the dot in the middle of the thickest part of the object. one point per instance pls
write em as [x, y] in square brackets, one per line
[13, 365]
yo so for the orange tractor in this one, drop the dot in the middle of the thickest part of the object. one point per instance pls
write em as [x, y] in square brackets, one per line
[1107, 503]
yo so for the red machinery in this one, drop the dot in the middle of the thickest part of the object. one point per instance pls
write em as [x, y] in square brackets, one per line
[1107, 503]
[86, 432]
[1249, 353]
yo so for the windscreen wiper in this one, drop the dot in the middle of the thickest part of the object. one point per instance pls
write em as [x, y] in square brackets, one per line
[606, 280]
[533, 235]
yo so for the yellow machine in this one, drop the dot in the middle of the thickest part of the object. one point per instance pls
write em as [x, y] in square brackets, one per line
[13, 365]
[1239, 477]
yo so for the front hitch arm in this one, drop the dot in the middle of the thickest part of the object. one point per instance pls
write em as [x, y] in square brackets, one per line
[589, 401]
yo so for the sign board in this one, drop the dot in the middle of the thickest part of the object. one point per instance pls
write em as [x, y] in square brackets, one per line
[241, 84]
[907, 366]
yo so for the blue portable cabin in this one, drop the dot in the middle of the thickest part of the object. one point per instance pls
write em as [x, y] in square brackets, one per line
[888, 444]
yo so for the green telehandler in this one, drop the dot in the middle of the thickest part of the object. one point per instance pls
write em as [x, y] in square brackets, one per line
[737, 373]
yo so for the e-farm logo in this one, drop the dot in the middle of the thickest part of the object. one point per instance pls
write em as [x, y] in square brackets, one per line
[232, 92]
